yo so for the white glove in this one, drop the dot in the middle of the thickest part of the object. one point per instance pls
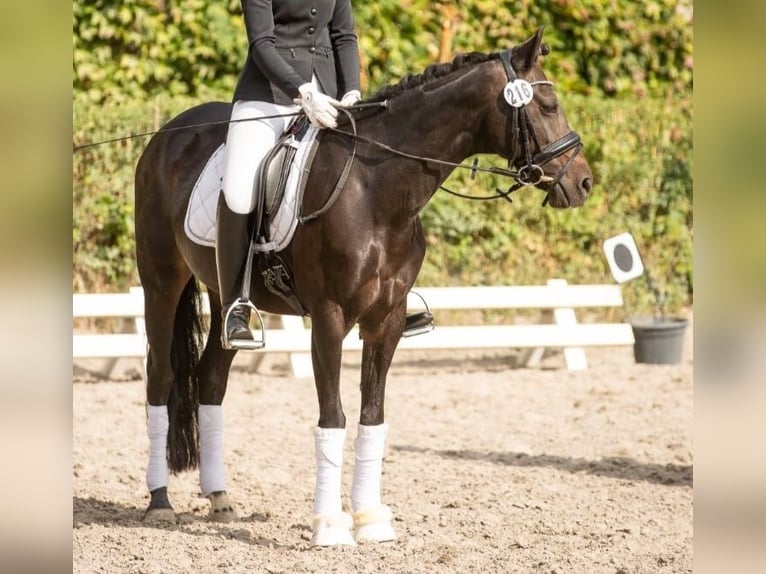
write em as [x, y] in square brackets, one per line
[350, 98]
[319, 108]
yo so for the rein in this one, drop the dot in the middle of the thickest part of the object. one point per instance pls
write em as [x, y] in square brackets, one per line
[521, 129]
[473, 167]
[355, 137]
[340, 184]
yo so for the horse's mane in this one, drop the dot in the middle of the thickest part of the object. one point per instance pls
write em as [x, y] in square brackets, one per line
[432, 72]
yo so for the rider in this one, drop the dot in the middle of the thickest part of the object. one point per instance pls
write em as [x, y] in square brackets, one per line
[302, 54]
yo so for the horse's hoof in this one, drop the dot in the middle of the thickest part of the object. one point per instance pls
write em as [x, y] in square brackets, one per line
[159, 516]
[332, 530]
[160, 512]
[374, 524]
[221, 509]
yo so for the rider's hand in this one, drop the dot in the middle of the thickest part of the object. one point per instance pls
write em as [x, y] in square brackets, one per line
[350, 98]
[319, 108]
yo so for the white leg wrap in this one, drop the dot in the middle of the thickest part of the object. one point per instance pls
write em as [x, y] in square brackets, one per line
[373, 521]
[212, 476]
[331, 526]
[157, 429]
[328, 444]
[368, 465]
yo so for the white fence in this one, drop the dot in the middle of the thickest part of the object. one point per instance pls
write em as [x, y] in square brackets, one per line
[557, 328]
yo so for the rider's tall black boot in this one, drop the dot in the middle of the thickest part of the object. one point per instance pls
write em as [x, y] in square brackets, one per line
[231, 247]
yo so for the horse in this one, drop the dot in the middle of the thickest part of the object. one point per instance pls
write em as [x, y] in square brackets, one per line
[354, 264]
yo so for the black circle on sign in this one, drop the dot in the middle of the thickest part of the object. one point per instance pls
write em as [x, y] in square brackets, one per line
[623, 257]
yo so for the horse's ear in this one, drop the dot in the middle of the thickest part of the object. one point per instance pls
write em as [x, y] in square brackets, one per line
[525, 55]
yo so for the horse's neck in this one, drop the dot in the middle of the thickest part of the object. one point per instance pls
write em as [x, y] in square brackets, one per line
[441, 123]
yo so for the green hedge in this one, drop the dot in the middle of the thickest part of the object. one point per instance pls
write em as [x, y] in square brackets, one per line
[640, 152]
[615, 48]
[125, 49]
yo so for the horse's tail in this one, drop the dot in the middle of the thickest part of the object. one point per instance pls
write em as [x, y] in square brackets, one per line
[183, 446]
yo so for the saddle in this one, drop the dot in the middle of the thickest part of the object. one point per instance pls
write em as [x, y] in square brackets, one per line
[275, 169]
[271, 181]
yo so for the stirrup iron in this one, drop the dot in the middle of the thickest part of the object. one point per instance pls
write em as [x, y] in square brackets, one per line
[245, 344]
[418, 323]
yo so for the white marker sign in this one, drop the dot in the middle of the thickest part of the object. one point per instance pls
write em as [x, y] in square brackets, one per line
[623, 257]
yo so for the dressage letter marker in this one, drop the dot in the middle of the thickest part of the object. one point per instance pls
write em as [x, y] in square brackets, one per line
[623, 258]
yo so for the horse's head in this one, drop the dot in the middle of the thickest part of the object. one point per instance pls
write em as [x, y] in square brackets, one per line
[532, 126]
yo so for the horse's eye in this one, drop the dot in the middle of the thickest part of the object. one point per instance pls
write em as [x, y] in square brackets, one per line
[549, 107]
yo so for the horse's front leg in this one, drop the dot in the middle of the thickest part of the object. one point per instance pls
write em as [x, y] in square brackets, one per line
[331, 526]
[373, 521]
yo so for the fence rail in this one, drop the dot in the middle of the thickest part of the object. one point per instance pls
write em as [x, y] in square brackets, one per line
[557, 327]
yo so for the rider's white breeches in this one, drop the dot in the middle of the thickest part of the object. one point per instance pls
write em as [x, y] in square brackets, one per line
[247, 143]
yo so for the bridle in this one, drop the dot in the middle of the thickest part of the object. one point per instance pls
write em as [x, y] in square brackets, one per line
[518, 93]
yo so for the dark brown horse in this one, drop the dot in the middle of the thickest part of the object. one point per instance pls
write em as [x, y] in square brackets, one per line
[356, 263]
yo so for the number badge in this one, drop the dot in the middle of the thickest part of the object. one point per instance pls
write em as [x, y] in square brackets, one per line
[518, 93]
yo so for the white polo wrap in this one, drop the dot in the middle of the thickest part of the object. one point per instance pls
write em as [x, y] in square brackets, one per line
[157, 428]
[328, 445]
[212, 476]
[369, 447]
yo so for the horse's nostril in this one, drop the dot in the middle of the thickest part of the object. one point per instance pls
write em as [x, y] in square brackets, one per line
[586, 184]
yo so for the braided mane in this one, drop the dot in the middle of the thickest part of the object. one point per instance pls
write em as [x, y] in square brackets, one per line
[432, 72]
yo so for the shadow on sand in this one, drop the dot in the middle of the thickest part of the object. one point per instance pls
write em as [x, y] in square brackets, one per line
[613, 466]
[107, 513]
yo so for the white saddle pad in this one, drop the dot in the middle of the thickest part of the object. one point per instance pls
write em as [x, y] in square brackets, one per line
[203, 203]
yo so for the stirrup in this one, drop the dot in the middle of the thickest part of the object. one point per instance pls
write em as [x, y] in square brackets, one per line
[418, 323]
[245, 344]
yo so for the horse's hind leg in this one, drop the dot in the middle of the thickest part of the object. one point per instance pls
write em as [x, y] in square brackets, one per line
[163, 289]
[213, 375]
[373, 521]
[184, 392]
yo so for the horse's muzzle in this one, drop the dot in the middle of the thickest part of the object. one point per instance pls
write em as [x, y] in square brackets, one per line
[571, 190]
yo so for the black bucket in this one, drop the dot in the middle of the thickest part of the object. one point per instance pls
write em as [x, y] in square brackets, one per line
[658, 341]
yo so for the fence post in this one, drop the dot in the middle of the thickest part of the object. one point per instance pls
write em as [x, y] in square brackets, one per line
[449, 19]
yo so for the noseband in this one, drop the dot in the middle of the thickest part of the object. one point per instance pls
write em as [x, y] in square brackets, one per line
[518, 93]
